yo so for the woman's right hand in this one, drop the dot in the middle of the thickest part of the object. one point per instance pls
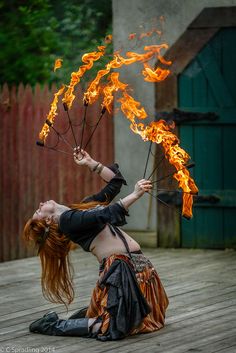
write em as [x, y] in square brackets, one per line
[142, 186]
[81, 157]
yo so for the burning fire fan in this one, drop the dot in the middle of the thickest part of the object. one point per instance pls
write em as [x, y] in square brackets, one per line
[105, 85]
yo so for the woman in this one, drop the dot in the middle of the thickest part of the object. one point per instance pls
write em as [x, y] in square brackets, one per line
[129, 297]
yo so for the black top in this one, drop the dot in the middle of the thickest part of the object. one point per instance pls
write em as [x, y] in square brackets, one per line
[82, 226]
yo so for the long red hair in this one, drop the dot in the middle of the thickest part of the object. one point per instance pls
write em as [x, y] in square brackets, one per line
[53, 248]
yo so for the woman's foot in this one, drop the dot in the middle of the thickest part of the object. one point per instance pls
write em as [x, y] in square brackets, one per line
[51, 325]
[39, 325]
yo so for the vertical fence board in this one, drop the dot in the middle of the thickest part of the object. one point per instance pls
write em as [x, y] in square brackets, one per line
[13, 171]
[8, 184]
[2, 108]
[4, 167]
[31, 174]
[22, 145]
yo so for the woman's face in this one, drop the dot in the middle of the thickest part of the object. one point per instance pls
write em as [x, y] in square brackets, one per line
[45, 210]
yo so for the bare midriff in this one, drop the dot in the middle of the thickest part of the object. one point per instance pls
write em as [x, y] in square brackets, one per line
[106, 244]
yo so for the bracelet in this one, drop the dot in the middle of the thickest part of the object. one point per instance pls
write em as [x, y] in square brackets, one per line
[99, 168]
[122, 205]
[94, 168]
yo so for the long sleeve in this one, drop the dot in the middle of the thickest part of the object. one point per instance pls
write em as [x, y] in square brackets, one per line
[112, 188]
[82, 226]
[76, 222]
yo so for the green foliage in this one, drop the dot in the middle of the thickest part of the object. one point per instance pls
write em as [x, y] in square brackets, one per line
[34, 33]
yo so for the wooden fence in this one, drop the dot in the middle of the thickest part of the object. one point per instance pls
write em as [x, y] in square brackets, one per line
[29, 173]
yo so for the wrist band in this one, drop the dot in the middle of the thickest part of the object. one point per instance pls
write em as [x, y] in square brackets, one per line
[121, 203]
[94, 168]
[99, 168]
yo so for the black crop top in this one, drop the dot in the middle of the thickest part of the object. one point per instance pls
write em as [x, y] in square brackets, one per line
[83, 226]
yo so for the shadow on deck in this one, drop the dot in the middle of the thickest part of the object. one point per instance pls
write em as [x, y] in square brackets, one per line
[201, 316]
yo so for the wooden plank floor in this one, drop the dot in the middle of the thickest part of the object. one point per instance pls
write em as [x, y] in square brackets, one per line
[201, 316]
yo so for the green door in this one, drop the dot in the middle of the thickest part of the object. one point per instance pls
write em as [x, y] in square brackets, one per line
[208, 84]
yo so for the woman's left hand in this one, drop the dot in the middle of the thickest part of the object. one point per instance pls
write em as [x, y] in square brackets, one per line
[81, 157]
[142, 186]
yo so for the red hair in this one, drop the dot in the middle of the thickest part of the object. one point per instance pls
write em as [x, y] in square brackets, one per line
[53, 248]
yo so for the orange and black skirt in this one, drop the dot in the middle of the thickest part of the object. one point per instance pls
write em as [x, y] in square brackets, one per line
[128, 297]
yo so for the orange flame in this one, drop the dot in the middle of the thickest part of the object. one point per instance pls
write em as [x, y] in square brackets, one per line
[154, 75]
[88, 59]
[159, 132]
[92, 93]
[51, 115]
[57, 64]
[147, 34]
[113, 86]
[144, 34]
[108, 39]
[131, 36]
[131, 108]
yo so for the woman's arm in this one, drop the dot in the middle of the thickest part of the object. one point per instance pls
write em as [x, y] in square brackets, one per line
[72, 221]
[82, 158]
[140, 188]
[111, 175]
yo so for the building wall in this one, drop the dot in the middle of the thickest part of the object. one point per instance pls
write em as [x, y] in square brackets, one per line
[130, 151]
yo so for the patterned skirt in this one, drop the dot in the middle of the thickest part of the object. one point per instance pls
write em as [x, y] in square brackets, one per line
[128, 290]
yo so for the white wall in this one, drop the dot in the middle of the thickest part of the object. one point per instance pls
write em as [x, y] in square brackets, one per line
[128, 16]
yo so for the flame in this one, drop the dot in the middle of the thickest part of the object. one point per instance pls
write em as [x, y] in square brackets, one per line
[51, 115]
[113, 86]
[108, 39]
[159, 132]
[158, 32]
[94, 89]
[131, 108]
[154, 75]
[57, 64]
[131, 36]
[68, 98]
[147, 34]
[88, 59]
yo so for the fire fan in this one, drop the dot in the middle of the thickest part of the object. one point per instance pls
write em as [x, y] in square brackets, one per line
[105, 85]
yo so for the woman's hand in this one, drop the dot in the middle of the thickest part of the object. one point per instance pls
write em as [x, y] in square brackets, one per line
[141, 187]
[81, 157]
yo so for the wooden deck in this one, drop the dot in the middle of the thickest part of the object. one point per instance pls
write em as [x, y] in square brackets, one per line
[201, 317]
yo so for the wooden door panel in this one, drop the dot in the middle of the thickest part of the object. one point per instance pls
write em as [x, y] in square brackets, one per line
[229, 228]
[209, 225]
[199, 87]
[205, 230]
[208, 85]
[215, 77]
[185, 94]
[229, 160]
[228, 55]
[207, 149]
